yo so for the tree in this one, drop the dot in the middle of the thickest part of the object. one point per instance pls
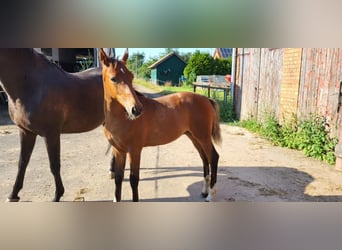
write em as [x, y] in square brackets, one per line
[199, 64]
[186, 56]
[144, 71]
[135, 61]
[169, 50]
[222, 66]
[205, 64]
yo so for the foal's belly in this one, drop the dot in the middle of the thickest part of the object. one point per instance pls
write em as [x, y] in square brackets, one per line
[156, 138]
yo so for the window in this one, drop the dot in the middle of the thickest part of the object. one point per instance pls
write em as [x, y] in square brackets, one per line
[47, 51]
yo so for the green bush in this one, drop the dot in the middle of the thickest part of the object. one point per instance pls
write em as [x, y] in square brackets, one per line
[270, 129]
[250, 124]
[226, 110]
[309, 135]
[204, 64]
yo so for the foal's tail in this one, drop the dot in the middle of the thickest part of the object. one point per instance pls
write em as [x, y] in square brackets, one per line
[216, 133]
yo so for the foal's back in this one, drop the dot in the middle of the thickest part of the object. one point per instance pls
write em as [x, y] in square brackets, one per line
[166, 118]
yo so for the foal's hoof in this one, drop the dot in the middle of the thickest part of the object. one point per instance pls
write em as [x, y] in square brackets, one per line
[204, 195]
[210, 196]
[12, 199]
[111, 175]
[208, 200]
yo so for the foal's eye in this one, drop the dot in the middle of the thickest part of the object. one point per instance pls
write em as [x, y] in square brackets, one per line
[113, 79]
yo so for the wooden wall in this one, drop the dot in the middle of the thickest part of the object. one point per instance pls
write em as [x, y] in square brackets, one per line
[321, 74]
[258, 76]
[288, 81]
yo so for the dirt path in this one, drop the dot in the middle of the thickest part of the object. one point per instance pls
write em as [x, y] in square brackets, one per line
[250, 169]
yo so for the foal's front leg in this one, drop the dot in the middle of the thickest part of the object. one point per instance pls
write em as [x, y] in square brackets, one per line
[119, 168]
[134, 175]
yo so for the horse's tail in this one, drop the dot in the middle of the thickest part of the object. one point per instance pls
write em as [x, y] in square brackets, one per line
[216, 133]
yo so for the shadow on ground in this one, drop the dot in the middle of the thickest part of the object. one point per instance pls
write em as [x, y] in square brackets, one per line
[250, 184]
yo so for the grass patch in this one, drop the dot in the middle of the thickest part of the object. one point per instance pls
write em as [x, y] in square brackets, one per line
[164, 90]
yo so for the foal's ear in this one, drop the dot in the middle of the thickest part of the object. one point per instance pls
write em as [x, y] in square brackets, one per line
[125, 56]
[103, 57]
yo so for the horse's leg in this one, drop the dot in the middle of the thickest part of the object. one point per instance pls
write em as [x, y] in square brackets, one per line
[53, 146]
[205, 162]
[119, 168]
[27, 141]
[134, 175]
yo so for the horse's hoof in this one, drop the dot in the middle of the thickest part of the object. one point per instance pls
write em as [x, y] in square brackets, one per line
[12, 199]
[57, 199]
[111, 175]
[204, 195]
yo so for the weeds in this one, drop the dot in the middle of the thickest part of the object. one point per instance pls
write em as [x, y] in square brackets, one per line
[226, 110]
[309, 135]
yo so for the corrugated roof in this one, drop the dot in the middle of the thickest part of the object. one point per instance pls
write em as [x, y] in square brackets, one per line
[226, 52]
[223, 52]
[164, 58]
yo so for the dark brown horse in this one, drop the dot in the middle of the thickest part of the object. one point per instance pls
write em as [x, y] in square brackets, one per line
[45, 100]
[133, 121]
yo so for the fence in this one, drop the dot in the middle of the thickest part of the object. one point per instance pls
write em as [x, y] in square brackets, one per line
[3, 96]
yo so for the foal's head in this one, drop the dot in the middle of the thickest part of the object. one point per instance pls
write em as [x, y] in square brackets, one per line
[117, 81]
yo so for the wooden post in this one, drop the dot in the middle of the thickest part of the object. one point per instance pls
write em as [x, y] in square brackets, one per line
[338, 150]
[225, 93]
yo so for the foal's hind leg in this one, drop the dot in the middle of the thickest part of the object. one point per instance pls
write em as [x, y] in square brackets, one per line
[213, 167]
[112, 167]
[27, 141]
[53, 147]
[205, 162]
[112, 163]
[206, 147]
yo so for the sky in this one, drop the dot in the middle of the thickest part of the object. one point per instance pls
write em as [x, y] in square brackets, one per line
[155, 52]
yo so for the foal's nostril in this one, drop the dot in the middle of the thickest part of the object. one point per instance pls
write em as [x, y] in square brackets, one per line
[136, 111]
